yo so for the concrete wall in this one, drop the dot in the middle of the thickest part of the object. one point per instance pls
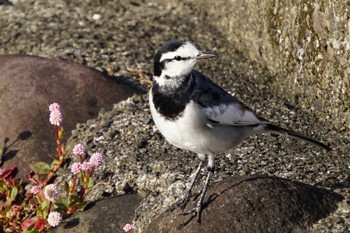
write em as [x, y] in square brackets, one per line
[304, 44]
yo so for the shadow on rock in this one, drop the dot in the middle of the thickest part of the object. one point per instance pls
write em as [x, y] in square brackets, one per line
[254, 204]
[8, 154]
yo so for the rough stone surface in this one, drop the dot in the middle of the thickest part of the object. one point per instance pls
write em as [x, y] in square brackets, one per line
[136, 156]
[250, 204]
[107, 216]
[304, 45]
[29, 84]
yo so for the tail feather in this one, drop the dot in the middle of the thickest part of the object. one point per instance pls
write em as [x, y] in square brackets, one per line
[279, 130]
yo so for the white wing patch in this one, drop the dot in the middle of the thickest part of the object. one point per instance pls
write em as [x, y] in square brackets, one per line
[232, 114]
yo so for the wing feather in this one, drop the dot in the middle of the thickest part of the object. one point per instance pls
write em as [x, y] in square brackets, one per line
[220, 107]
[234, 114]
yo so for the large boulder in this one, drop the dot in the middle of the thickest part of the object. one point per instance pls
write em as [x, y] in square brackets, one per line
[29, 84]
[252, 204]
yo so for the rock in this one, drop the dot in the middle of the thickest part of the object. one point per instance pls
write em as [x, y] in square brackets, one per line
[254, 204]
[29, 84]
[128, 35]
[108, 215]
[5, 2]
[304, 45]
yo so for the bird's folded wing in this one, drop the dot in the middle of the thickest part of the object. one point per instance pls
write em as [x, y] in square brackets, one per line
[220, 107]
[235, 114]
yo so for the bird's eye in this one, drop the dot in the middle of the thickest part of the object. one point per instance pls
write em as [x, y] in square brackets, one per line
[177, 58]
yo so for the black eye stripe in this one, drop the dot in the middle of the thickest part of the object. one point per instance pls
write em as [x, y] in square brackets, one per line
[178, 58]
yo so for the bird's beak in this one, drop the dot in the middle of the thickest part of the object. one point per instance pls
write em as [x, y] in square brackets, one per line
[205, 56]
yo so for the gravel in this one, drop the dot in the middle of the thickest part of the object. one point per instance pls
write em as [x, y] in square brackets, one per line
[113, 35]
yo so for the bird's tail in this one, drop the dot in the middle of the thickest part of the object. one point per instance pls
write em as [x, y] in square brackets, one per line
[279, 130]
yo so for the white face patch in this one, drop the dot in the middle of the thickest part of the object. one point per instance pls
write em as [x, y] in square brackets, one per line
[186, 50]
[178, 68]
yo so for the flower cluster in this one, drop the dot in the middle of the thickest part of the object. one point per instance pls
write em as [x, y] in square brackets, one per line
[54, 218]
[128, 228]
[39, 205]
[78, 149]
[35, 189]
[51, 192]
[75, 168]
[95, 160]
[55, 114]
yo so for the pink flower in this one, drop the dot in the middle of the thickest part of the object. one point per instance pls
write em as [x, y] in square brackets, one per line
[27, 223]
[128, 228]
[1, 172]
[96, 160]
[54, 107]
[51, 192]
[54, 218]
[75, 168]
[15, 210]
[55, 114]
[84, 166]
[40, 224]
[35, 189]
[78, 149]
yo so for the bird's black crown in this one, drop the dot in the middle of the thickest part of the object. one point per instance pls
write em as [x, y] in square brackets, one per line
[170, 46]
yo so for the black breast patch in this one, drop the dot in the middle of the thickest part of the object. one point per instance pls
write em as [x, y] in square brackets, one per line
[171, 104]
[168, 106]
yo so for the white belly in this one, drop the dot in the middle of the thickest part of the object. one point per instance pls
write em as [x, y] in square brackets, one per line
[179, 132]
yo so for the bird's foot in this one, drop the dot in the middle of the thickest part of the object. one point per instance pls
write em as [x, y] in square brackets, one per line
[197, 211]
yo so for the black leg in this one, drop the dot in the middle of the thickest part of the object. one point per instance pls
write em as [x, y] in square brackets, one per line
[198, 209]
[189, 190]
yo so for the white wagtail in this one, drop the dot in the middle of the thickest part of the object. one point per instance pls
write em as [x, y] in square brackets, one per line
[195, 114]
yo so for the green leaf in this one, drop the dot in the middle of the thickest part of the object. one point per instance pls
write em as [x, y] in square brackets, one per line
[83, 205]
[90, 183]
[40, 167]
[55, 163]
[60, 133]
[44, 204]
[63, 204]
[13, 194]
[2, 186]
[74, 200]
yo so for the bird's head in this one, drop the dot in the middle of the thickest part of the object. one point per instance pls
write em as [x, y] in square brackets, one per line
[177, 58]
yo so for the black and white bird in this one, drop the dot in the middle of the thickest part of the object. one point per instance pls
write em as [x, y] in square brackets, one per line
[195, 114]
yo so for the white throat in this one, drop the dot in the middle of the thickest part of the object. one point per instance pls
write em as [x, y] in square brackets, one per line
[168, 81]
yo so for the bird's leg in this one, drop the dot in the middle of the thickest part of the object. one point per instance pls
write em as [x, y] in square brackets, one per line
[189, 190]
[210, 167]
[198, 209]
